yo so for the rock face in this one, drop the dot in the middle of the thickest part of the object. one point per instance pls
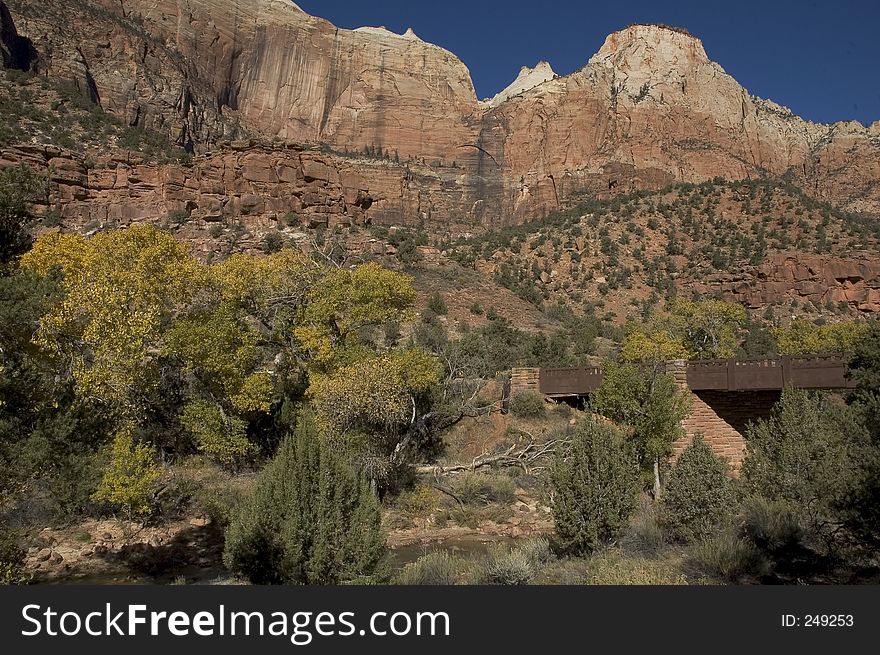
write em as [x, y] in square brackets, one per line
[818, 279]
[528, 78]
[648, 109]
[251, 182]
[211, 67]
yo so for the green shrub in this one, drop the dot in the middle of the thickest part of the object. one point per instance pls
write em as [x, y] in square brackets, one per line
[771, 525]
[613, 567]
[483, 488]
[699, 495]
[437, 304]
[437, 568]
[175, 498]
[514, 565]
[220, 503]
[596, 482]
[11, 558]
[726, 557]
[809, 454]
[565, 571]
[528, 404]
[178, 217]
[464, 516]
[272, 242]
[215, 231]
[417, 502]
[310, 520]
[644, 535]
[51, 218]
[71, 488]
[20, 187]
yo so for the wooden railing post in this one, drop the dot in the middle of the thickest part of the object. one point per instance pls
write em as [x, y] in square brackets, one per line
[786, 371]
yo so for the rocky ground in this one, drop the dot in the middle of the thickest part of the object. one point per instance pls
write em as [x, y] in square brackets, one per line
[111, 551]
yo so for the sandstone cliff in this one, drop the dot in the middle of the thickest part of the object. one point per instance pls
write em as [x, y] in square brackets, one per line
[528, 78]
[265, 66]
[648, 109]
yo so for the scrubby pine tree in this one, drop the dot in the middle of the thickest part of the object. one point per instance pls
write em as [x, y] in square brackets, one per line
[864, 367]
[437, 305]
[807, 456]
[699, 495]
[596, 481]
[19, 188]
[310, 520]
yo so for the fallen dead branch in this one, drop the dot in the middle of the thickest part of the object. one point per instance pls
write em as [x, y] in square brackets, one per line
[530, 458]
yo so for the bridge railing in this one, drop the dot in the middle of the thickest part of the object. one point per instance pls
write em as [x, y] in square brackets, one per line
[809, 372]
[570, 381]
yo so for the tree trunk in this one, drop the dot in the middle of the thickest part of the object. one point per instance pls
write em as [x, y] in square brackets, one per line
[656, 478]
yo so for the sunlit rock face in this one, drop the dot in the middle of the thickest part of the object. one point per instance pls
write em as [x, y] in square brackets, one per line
[649, 108]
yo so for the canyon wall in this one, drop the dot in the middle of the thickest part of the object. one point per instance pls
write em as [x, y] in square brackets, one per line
[648, 109]
[250, 182]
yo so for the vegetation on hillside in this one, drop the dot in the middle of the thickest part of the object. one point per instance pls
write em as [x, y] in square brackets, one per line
[38, 108]
[633, 250]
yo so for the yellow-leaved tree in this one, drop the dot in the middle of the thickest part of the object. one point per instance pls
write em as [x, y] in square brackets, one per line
[686, 329]
[119, 289]
[344, 303]
[129, 482]
[802, 337]
[234, 342]
[378, 407]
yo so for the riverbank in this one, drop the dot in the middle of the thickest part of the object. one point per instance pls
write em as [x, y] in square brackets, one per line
[190, 550]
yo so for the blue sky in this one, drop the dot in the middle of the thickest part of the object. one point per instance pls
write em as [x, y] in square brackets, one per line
[821, 59]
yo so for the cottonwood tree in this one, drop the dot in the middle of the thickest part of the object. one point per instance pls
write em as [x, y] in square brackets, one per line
[119, 289]
[686, 329]
[344, 303]
[647, 400]
[379, 408]
[805, 338]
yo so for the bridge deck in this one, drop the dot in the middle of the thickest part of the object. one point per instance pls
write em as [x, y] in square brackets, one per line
[813, 372]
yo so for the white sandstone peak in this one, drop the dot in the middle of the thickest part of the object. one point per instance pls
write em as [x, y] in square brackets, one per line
[527, 79]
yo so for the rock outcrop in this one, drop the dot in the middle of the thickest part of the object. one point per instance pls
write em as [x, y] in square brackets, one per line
[648, 109]
[254, 183]
[528, 78]
[822, 280]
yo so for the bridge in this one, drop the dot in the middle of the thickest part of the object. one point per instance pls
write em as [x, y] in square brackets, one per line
[726, 394]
